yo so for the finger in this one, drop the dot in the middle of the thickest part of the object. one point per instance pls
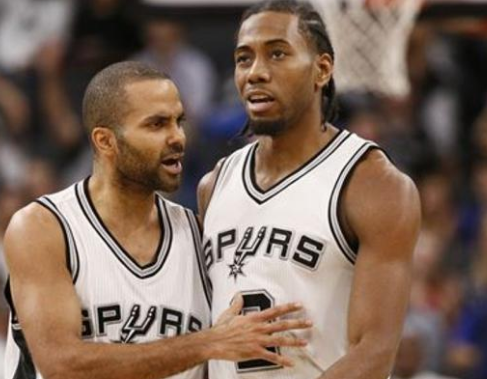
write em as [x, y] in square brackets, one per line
[235, 308]
[276, 358]
[284, 325]
[275, 312]
[285, 341]
[237, 302]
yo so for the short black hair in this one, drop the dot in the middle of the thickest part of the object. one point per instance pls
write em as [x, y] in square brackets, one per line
[103, 102]
[313, 28]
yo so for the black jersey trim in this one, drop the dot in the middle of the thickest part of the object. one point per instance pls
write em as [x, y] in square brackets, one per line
[348, 250]
[205, 280]
[164, 245]
[7, 292]
[260, 196]
[219, 175]
[71, 252]
[25, 366]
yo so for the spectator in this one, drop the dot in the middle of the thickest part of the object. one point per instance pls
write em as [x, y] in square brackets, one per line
[168, 49]
[467, 354]
[11, 200]
[411, 354]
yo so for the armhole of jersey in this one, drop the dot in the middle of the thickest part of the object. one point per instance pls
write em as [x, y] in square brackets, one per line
[219, 175]
[7, 292]
[25, 365]
[348, 250]
[197, 240]
[72, 257]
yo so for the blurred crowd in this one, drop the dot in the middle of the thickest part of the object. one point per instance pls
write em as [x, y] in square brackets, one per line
[49, 49]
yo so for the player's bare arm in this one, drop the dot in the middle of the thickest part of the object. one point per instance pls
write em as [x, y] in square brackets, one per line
[50, 315]
[381, 210]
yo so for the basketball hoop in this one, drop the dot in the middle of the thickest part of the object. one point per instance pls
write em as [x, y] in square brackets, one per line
[370, 39]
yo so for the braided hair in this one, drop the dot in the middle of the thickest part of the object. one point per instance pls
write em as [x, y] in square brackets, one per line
[313, 28]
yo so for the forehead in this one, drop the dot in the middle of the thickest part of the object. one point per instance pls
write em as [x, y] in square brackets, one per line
[153, 96]
[268, 26]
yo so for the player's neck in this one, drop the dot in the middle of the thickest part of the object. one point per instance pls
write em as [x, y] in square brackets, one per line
[116, 202]
[294, 147]
[276, 157]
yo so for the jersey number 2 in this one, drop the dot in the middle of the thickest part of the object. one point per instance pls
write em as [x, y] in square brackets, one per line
[255, 301]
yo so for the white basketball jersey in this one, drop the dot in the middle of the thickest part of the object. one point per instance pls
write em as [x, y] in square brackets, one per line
[122, 301]
[284, 245]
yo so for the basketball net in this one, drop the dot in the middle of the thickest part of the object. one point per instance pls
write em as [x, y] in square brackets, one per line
[370, 38]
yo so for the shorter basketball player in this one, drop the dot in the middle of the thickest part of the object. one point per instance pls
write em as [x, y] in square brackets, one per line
[311, 212]
[105, 276]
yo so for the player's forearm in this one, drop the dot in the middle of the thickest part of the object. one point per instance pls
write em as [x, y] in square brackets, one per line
[155, 360]
[366, 360]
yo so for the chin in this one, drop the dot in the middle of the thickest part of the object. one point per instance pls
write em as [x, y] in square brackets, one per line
[269, 128]
[169, 185]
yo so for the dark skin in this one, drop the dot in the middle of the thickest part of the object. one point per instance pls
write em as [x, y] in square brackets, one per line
[379, 208]
[45, 298]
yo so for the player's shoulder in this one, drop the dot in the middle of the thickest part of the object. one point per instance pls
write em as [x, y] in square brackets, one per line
[380, 194]
[39, 221]
[377, 172]
[206, 186]
[33, 228]
[62, 201]
[175, 212]
[208, 181]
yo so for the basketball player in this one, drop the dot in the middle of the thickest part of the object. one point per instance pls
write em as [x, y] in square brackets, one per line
[307, 211]
[103, 269]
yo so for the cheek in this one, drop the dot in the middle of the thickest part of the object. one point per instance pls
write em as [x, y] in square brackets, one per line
[239, 79]
[296, 91]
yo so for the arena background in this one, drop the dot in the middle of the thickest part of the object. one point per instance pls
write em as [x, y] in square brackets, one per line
[437, 133]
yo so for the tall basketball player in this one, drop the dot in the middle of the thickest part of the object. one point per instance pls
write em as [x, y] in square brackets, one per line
[307, 211]
[105, 277]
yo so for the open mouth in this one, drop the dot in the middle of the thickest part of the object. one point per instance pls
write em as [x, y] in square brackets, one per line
[172, 165]
[257, 99]
[260, 103]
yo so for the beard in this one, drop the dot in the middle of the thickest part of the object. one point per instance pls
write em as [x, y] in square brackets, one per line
[135, 168]
[270, 128]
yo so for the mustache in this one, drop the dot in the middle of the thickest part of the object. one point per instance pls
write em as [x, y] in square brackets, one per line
[174, 149]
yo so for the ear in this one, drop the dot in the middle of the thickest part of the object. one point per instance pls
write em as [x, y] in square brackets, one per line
[324, 70]
[104, 141]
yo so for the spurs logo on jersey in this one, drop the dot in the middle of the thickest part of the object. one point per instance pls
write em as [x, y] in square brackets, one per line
[245, 249]
[131, 329]
[282, 245]
[121, 300]
[270, 242]
[170, 322]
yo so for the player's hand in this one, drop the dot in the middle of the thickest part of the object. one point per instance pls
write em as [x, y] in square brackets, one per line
[237, 337]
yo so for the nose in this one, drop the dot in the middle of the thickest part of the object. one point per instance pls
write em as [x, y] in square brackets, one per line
[177, 137]
[259, 72]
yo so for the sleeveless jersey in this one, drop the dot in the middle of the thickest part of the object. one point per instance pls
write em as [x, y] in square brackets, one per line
[283, 245]
[122, 301]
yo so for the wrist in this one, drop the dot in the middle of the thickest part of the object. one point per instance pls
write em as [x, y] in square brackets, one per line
[207, 342]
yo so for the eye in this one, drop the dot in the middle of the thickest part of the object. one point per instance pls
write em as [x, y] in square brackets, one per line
[242, 59]
[278, 54]
[157, 124]
[182, 122]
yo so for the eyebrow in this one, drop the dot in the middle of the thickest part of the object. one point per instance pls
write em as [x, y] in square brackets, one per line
[165, 117]
[266, 43]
